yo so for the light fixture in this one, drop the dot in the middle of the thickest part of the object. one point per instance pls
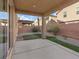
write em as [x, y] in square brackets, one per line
[34, 6]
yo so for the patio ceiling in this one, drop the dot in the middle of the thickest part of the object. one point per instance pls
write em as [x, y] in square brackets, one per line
[40, 7]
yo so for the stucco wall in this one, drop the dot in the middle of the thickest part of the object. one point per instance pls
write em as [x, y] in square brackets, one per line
[71, 13]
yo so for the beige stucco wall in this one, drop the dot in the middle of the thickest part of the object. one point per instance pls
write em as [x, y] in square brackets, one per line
[71, 13]
[36, 22]
[47, 20]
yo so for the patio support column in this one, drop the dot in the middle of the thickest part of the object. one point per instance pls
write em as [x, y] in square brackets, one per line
[38, 24]
[43, 27]
[12, 25]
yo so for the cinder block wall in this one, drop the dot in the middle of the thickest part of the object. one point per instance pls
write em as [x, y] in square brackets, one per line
[25, 29]
[71, 30]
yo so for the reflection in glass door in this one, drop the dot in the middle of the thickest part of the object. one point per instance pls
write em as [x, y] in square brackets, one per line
[3, 28]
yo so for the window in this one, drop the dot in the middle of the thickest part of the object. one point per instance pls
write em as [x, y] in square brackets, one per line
[65, 14]
[77, 12]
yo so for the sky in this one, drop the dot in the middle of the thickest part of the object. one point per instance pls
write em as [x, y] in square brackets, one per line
[4, 15]
[27, 17]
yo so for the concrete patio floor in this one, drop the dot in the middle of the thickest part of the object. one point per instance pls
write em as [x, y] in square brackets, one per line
[42, 49]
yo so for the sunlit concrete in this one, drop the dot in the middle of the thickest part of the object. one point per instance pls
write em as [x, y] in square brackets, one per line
[42, 49]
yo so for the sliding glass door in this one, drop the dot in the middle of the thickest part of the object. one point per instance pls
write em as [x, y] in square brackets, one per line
[3, 29]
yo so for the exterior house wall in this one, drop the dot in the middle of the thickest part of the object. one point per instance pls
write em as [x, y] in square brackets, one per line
[49, 22]
[71, 13]
[72, 29]
[36, 22]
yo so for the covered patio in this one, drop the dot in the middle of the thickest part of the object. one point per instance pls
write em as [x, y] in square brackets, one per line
[39, 48]
[42, 8]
